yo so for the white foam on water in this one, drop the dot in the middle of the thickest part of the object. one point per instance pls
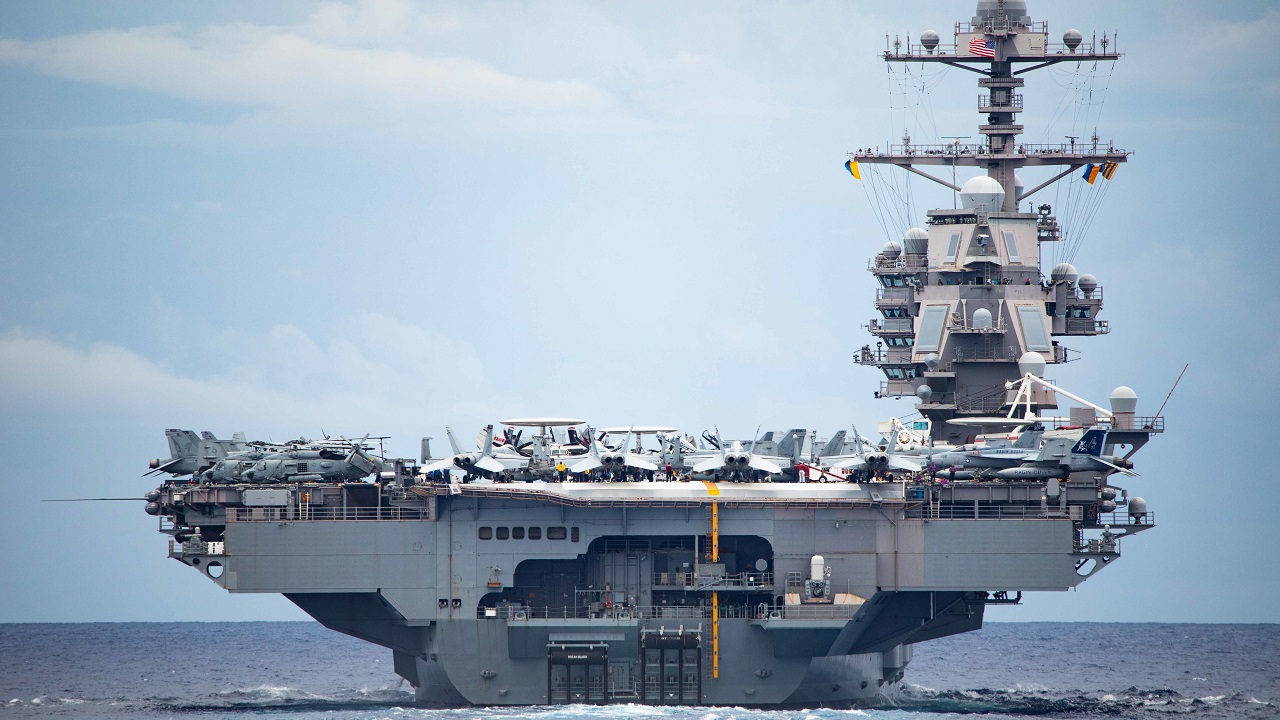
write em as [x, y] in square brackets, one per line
[1028, 688]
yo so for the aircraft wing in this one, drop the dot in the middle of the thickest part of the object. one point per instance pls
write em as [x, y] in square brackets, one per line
[898, 462]
[640, 461]
[764, 465]
[164, 467]
[491, 464]
[589, 463]
[857, 462]
[1123, 471]
[444, 464]
[712, 463]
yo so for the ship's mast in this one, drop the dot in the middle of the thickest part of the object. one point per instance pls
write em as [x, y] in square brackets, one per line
[964, 301]
[1004, 30]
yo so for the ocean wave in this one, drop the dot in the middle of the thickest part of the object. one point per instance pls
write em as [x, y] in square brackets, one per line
[1069, 703]
[283, 697]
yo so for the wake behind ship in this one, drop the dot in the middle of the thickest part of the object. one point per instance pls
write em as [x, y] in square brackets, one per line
[558, 563]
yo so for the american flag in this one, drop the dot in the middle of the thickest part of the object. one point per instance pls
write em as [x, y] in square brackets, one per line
[983, 47]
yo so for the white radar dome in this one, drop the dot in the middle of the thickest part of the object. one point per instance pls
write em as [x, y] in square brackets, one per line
[1124, 400]
[1087, 284]
[1031, 362]
[1014, 10]
[924, 393]
[916, 240]
[1072, 39]
[1018, 186]
[929, 39]
[982, 319]
[982, 193]
[1064, 272]
[891, 249]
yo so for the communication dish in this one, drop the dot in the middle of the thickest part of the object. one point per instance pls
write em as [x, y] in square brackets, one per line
[543, 422]
[638, 429]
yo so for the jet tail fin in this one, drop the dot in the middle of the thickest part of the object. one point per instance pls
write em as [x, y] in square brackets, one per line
[183, 443]
[835, 445]
[1029, 439]
[1091, 443]
[453, 441]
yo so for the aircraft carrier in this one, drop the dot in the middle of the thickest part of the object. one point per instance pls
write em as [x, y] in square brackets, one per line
[643, 565]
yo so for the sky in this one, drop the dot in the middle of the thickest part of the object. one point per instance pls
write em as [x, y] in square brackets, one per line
[383, 217]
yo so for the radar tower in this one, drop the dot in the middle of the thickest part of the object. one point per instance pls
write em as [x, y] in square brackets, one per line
[963, 301]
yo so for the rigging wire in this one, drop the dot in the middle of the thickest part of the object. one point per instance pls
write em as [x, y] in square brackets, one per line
[892, 193]
[1087, 86]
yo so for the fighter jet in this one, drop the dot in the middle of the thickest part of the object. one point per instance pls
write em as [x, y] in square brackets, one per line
[619, 461]
[190, 453]
[1030, 459]
[867, 462]
[209, 459]
[473, 463]
[730, 461]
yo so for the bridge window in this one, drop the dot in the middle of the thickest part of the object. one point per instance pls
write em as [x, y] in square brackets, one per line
[504, 533]
[1033, 330]
[535, 533]
[953, 248]
[1011, 246]
[485, 533]
[1080, 312]
[931, 322]
[557, 532]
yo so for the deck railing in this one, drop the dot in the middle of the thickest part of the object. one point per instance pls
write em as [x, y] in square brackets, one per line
[292, 513]
[814, 611]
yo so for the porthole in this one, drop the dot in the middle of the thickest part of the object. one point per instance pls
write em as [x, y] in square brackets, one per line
[485, 533]
[535, 533]
[504, 533]
[557, 533]
[517, 533]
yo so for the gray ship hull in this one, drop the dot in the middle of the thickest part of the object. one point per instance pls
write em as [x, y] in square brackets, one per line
[563, 593]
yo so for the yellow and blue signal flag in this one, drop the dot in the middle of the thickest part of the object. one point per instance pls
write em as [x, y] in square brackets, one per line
[852, 167]
[1091, 172]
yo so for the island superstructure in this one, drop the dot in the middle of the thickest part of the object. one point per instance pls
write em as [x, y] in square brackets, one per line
[575, 565]
[964, 298]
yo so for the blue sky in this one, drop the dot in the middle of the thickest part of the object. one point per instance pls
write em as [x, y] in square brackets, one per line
[387, 217]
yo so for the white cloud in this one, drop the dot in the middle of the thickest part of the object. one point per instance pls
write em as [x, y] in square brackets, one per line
[1202, 56]
[385, 66]
[376, 21]
[378, 374]
[275, 68]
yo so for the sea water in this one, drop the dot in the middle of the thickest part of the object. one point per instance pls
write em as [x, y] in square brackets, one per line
[302, 671]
